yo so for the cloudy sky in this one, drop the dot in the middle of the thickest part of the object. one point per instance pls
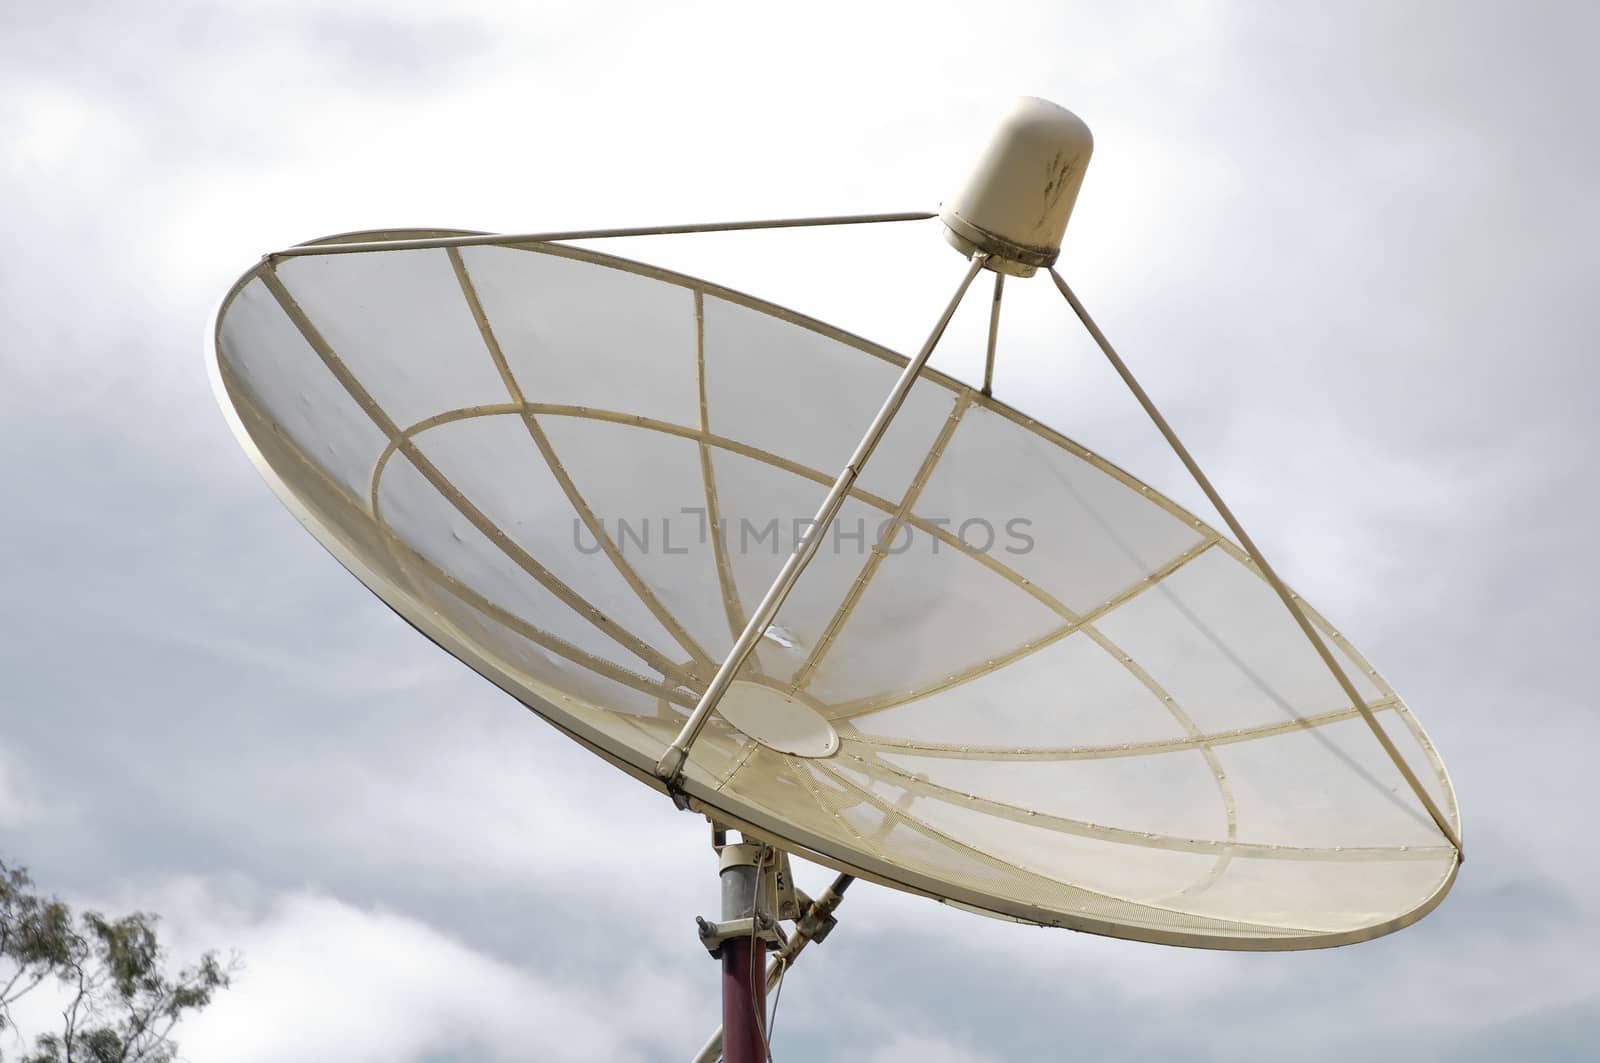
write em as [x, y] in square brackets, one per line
[1349, 247]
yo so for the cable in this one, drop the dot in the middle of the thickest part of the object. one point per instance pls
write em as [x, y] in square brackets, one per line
[772, 1020]
[758, 950]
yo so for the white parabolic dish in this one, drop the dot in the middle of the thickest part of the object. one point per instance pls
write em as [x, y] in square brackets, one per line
[1046, 692]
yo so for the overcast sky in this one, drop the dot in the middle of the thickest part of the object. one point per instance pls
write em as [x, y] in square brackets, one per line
[1349, 247]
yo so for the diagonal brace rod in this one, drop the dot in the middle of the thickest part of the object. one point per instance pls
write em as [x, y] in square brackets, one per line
[1283, 592]
[670, 767]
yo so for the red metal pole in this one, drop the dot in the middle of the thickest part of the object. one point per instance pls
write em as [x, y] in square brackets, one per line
[744, 998]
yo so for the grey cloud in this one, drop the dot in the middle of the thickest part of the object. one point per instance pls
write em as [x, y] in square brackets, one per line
[399, 55]
[1395, 256]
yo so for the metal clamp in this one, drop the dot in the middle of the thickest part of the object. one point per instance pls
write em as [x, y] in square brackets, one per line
[712, 935]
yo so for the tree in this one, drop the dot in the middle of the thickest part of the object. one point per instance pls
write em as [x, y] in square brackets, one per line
[119, 1003]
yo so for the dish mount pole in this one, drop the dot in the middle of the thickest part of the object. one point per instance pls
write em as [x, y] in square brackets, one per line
[758, 892]
[740, 941]
[815, 923]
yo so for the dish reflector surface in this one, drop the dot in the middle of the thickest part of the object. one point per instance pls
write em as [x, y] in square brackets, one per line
[1058, 696]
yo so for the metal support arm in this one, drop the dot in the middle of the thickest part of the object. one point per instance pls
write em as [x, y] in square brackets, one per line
[1267, 572]
[356, 247]
[670, 767]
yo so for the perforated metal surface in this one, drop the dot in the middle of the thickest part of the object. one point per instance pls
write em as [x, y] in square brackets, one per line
[1059, 696]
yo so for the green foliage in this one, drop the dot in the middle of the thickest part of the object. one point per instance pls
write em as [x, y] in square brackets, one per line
[120, 1004]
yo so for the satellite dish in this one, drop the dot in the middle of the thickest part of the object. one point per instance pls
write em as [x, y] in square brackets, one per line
[990, 668]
